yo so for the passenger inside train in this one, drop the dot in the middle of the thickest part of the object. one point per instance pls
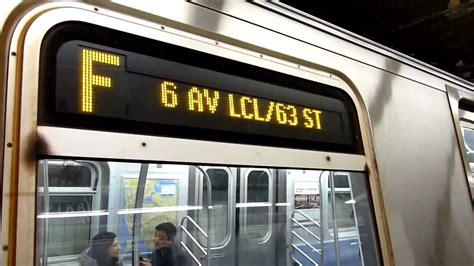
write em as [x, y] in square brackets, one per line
[167, 251]
[104, 250]
[162, 214]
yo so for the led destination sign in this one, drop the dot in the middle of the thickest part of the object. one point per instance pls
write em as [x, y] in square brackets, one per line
[174, 96]
[98, 81]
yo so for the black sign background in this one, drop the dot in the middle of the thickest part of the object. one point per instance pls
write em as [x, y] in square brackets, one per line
[132, 104]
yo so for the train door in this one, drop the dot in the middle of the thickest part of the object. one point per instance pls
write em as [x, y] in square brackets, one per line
[221, 232]
[255, 208]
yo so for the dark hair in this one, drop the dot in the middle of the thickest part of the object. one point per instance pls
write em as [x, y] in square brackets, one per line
[99, 247]
[168, 228]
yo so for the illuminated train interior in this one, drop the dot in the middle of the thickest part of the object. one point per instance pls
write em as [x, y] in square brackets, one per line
[255, 212]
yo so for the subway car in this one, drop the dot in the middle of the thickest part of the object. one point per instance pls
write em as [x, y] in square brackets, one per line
[264, 135]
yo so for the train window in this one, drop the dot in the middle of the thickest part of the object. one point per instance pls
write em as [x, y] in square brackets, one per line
[462, 109]
[69, 174]
[340, 181]
[63, 230]
[466, 117]
[220, 182]
[298, 211]
[257, 210]
[343, 200]
[258, 186]
[468, 134]
[344, 210]
[149, 202]
[66, 187]
[331, 223]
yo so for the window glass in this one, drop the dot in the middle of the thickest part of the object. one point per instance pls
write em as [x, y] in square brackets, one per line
[340, 181]
[281, 217]
[468, 137]
[159, 203]
[344, 210]
[68, 236]
[356, 241]
[220, 198]
[66, 175]
[69, 191]
[305, 218]
[257, 186]
[257, 217]
[469, 142]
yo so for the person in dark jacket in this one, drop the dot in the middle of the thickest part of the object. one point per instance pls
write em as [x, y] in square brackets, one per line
[104, 250]
[167, 252]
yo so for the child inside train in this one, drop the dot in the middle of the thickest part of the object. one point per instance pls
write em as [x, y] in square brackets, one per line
[167, 252]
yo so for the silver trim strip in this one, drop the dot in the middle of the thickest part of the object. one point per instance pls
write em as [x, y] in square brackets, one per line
[88, 143]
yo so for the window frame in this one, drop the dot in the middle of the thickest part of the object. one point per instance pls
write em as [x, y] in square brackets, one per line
[270, 191]
[230, 197]
[462, 118]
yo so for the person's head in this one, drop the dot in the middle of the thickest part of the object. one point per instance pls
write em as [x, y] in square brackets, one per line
[105, 248]
[164, 234]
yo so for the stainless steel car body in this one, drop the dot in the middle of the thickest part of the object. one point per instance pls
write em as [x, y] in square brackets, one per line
[413, 154]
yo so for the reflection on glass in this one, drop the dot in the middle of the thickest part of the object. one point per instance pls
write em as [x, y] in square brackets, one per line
[220, 199]
[281, 217]
[468, 139]
[157, 193]
[68, 236]
[257, 192]
[344, 211]
[66, 175]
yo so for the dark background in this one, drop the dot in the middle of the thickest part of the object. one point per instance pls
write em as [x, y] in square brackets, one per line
[438, 32]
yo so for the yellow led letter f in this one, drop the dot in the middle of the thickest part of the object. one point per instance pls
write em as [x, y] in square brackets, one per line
[88, 77]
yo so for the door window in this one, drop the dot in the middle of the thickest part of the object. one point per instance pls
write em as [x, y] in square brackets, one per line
[257, 204]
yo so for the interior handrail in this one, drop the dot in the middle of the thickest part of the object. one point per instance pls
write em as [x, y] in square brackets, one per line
[195, 224]
[305, 216]
[306, 229]
[297, 261]
[304, 254]
[306, 242]
[190, 253]
[294, 234]
[193, 239]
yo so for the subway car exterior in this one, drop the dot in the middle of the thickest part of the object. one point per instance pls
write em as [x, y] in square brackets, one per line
[265, 135]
